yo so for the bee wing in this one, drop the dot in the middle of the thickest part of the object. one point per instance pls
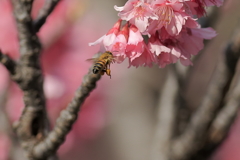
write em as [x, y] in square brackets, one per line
[93, 60]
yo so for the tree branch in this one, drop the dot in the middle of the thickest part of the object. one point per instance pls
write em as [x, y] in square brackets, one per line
[219, 128]
[66, 119]
[192, 138]
[44, 13]
[31, 125]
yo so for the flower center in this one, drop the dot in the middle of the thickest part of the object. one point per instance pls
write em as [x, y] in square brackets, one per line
[165, 14]
[139, 12]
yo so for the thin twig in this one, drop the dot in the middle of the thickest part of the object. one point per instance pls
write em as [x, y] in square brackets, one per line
[44, 13]
[27, 4]
[66, 119]
[8, 63]
[189, 142]
[165, 118]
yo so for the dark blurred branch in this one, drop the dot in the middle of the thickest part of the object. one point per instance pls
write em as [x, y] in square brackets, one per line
[192, 138]
[165, 118]
[66, 119]
[44, 13]
[220, 126]
[211, 18]
[225, 117]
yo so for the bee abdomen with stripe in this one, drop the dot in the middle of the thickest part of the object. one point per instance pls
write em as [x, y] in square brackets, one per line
[98, 67]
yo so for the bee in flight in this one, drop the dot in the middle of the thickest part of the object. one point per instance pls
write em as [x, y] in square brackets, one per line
[102, 63]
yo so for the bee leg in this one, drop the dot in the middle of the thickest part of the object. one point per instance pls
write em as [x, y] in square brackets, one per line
[108, 72]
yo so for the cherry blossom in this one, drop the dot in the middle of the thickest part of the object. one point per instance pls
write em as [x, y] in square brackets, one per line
[169, 27]
[165, 53]
[120, 43]
[109, 38]
[191, 42]
[188, 43]
[136, 50]
[137, 12]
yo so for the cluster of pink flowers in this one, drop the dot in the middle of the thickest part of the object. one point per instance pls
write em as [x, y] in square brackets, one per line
[158, 31]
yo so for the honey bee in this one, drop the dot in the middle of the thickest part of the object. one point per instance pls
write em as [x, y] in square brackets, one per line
[102, 63]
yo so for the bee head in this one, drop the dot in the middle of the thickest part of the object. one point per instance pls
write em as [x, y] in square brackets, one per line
[109, 52]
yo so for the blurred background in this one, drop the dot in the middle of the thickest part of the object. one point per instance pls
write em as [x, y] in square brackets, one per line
[117, 121]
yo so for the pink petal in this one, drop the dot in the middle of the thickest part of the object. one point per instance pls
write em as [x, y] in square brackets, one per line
[109, 39]
[141, 24]
[156, 47]
[176, 52]
[118, 8]
[185, 61]
[177, 6]
[97, 41]
[134, 35]
[175, 25]
[206, 33]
